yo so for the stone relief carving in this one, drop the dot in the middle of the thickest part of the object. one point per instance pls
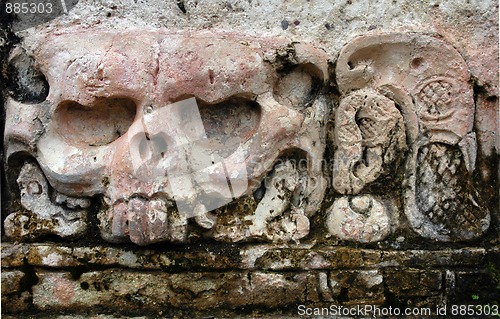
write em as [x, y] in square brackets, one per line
[361, 218]
[64, 216]
[369, 134]
[448, 206]
[112, 126]
[279, 215]
[428, 81]
[175, 131]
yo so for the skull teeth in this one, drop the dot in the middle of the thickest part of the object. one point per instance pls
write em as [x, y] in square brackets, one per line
[145, 221]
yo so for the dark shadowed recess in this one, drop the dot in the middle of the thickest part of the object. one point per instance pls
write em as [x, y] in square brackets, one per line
[7, 41]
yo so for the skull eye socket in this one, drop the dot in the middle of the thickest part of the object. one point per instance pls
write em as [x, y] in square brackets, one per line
[26, 84]
[95, 125]
[233, 120]
[297, 87]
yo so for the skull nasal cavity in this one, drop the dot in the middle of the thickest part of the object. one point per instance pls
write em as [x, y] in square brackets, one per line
[94, 125]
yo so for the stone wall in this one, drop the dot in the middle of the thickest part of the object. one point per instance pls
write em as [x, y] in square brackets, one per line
[249, 158]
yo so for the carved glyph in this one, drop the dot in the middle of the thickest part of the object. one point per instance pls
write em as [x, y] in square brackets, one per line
[369, 134]
[359, 218]
[428, 80]
[451, 206]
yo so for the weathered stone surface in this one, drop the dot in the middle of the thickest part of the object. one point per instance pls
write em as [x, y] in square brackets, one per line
[11, 282]
[359, 218]
[268, 278]
[43, 216]
[13, 254]
[431, 258]
[107, 115]
[233, 258]
[229, 130]
[125, 290]
[369, 135]
[487, 123]
[285, 189]
[353, 287]
[212, 125]
[452, 208]
[26, 82]
[414, 283]
[14, 297]
[437, 104]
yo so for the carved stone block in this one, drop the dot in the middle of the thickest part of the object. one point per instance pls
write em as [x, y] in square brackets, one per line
[225, 134]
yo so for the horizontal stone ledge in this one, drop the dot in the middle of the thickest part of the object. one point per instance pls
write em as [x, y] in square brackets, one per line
[137, 292]
[128, 290]
[262, 257]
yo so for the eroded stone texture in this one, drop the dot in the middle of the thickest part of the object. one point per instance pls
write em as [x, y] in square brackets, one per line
[428, 80]
[487, 122]
[209, 129]
[118, 136]
[115, 125]
[359, 218]
[447, 198]
[64, 216]
[14, 296]
[116, 289]
[369, 135]
[279, 215]
[353, 287]
[279, 279]
[254, 257]
[232, 279]
[415, 283]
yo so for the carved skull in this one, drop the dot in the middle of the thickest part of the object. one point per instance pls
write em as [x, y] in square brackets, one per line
[122, 121]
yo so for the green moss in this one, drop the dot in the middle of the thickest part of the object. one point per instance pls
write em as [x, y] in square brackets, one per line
[495, 273]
